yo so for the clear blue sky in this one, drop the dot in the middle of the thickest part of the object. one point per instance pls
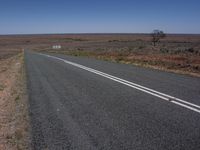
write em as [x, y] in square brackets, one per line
[99, 16]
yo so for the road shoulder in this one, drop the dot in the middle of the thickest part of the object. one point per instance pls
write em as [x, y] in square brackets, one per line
[14, 120]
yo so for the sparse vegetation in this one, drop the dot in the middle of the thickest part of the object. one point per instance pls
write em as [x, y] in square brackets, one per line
[174, 52]
[76, 39]
[13, 108]
[171, 54]
[1, 87]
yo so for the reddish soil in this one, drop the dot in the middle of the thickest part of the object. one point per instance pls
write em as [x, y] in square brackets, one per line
[175, 52]
[13, 105]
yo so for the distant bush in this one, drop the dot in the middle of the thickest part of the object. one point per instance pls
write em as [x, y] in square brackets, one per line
[164, 50]
[113, 41]
[75, 39]
[191, 50]
[141, 47]
[100, 49]
[185, 50]
[79, 49]
[139, 40]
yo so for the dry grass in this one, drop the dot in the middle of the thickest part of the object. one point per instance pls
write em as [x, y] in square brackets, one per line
[177, 53]
[13, 105]
[184, 64]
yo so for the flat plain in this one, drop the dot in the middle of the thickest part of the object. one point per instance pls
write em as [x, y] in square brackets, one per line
[84, 110]
[177, 52]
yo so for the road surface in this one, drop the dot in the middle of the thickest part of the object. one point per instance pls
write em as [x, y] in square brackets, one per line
[86, 104]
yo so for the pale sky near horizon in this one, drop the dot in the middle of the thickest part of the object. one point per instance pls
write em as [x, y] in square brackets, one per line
[102, 16]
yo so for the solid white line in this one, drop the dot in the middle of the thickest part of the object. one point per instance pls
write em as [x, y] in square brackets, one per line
[186, 106]
[155, 93]
[134, 84]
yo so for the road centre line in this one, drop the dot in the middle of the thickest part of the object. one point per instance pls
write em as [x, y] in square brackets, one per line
[152, 92]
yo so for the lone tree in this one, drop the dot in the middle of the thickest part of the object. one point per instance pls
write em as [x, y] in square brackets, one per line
[156, 36]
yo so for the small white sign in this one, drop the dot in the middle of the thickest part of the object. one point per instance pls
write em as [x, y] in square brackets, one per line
[56, 47]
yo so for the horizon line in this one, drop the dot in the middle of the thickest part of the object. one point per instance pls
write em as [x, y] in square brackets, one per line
[88, 33]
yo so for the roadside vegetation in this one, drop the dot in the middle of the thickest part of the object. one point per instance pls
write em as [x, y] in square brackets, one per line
[169, 53]
[14, 122]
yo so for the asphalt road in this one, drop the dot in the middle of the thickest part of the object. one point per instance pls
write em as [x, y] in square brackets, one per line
[75, 107]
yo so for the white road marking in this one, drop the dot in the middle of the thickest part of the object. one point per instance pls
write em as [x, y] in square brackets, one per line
[155, 93]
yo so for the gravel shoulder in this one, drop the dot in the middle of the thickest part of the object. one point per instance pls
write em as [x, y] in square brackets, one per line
[14, 126]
